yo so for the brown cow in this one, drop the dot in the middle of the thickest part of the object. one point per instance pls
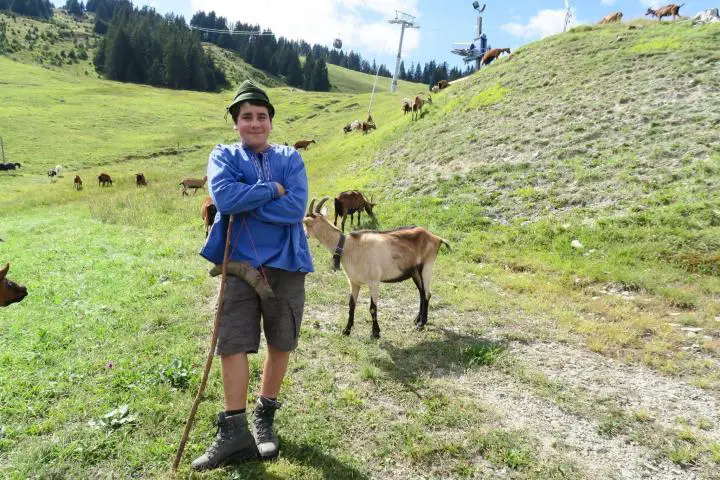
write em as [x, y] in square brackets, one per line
[612, 18]
[140, 180]
[349, 202]
[77, 183]
[665, 11]
[442, 84]
[208, 210]
[10, 292]
[104, 180]
[493, 54]
[302, 144]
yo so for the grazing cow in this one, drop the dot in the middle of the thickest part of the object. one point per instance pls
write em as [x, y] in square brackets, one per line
[193, 183]
[104, 180]
[665, 11]
[612, 18]
[302, 144]
[77, 183]
[10, 292]
[493, 54]
[208, 211]
[442, 84]
[349, 202]
[369, 258]
[140, 180]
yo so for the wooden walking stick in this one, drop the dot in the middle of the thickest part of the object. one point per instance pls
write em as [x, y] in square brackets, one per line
[211, 353]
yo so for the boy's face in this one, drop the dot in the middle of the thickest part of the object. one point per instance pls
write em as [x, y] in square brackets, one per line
[254, 125]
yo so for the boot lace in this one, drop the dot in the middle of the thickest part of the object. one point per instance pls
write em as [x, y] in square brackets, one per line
[264, 418]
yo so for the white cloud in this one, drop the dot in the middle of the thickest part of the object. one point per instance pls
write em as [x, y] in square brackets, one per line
[653, 3]
[543, 24]
[361, 24]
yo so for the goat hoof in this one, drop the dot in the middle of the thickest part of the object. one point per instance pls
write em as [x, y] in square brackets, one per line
[419, 326]
[375, 335]
[346, 332]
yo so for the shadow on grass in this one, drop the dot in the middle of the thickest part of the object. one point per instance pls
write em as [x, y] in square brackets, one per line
[299, 455]
[454, 353]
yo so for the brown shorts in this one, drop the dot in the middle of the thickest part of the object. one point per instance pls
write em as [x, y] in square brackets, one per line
[281, 316]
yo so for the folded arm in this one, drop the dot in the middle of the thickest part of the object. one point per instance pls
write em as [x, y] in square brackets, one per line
[228, 191]
[290, 208]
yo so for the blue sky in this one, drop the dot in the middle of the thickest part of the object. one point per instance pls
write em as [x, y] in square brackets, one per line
[363, 26]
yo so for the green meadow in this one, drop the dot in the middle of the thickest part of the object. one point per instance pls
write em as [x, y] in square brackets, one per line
[574, 328]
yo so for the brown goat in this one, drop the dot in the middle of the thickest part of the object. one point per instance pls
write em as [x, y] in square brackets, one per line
[193, 183]
[407, 106]
[369, 257]
[612, 18]
[367, 126]
[104, 180]
[349, 202]
[302, 144]
[77, 183]
[140, 180]
[665, 11]
[208, 210]
[493, 54]
[10, 292]
[417, 106]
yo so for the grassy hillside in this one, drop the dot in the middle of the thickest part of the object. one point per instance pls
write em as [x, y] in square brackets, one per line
[541, 359]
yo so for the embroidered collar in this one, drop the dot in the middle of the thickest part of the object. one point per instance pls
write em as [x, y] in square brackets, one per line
[338, 252]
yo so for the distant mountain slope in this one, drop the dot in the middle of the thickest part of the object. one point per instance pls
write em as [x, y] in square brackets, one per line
[69, 44]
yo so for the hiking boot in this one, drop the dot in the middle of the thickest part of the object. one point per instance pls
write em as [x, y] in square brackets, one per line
[268, 445]
[233, 443]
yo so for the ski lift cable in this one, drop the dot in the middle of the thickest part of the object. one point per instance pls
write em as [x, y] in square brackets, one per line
[377, 71]
[232, 32]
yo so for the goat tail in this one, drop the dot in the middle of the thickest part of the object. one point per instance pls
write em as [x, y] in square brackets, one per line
[445, 242]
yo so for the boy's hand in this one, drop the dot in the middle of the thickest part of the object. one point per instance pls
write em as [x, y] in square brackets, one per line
[280, 189]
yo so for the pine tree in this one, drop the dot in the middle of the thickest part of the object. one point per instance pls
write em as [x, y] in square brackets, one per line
[321, 82]
[308, 72]
[402, 74]
[73, 7]
[293, 70]
[118, 55]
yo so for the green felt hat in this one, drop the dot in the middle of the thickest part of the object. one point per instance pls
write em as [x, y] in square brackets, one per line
[248, 90]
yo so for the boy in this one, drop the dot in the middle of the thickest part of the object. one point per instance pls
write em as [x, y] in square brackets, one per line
[265, 186]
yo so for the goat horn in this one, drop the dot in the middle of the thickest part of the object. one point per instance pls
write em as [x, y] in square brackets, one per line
[322, 202]
[310, 208]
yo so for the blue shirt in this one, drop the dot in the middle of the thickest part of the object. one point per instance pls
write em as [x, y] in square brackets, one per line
[268, 228]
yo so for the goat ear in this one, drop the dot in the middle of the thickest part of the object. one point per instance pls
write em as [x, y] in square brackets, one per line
[324, 211]
[4, 271]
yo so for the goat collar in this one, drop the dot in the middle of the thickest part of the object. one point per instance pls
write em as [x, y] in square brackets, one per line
[338, 252]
